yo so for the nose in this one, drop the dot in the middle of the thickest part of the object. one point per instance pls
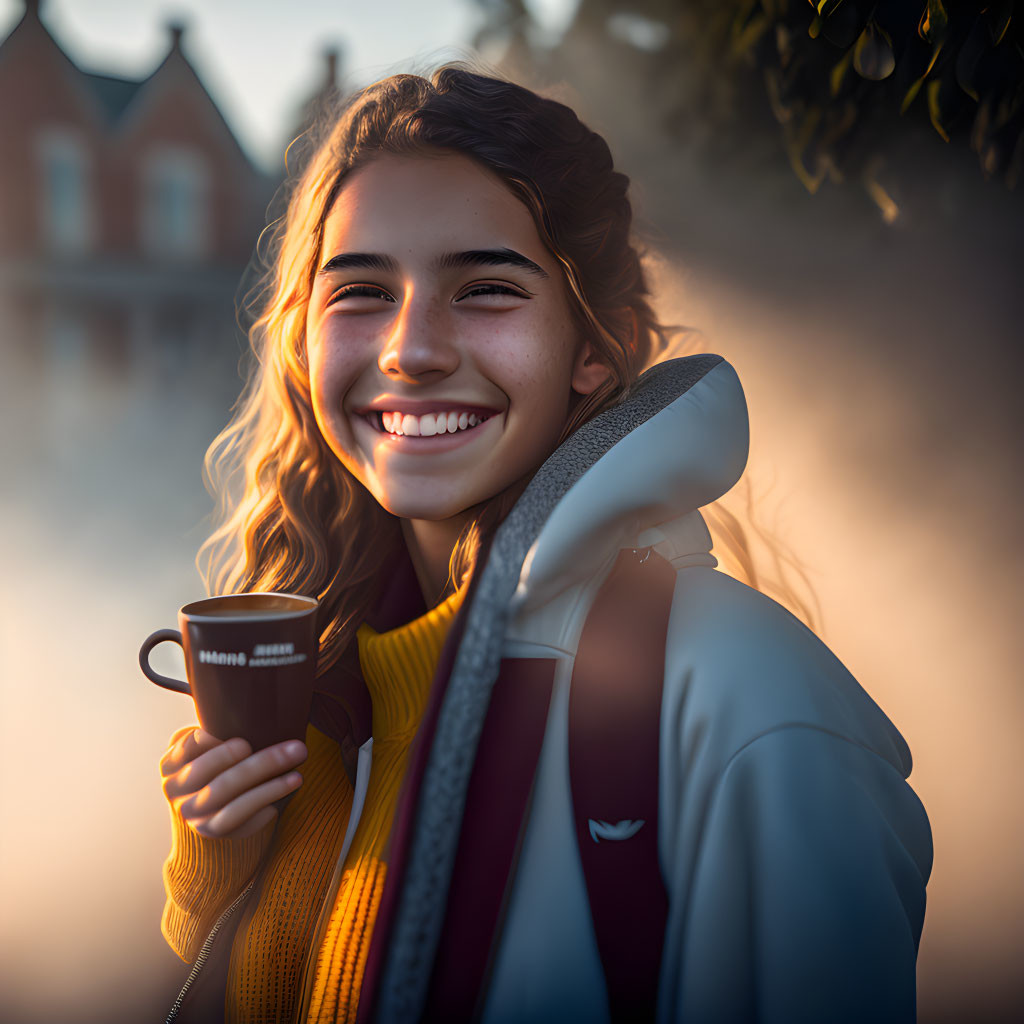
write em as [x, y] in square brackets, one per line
[420, 345]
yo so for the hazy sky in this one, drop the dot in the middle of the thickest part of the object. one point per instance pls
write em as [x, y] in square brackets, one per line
[261, 58]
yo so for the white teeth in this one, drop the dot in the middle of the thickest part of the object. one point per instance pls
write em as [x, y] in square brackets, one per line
[429, 424]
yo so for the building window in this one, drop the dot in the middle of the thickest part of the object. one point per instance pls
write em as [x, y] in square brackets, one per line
[175, 206]
[67, 211]
[67, 343]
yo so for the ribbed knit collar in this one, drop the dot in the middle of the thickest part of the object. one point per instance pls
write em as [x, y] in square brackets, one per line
[398, 667]
[342, 708]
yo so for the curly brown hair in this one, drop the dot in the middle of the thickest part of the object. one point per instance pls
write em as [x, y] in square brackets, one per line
[291, 517]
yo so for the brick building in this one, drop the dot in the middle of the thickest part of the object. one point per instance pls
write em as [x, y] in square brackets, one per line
[128, 210]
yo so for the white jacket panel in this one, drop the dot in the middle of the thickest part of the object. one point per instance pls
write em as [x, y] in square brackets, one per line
[547, 966]
[793, 850]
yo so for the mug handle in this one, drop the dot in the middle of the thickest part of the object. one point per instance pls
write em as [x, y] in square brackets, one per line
[147, 645]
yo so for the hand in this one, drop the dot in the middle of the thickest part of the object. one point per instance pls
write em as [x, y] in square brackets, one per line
[221, 788]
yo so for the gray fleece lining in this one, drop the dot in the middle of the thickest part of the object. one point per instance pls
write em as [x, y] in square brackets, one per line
[421, 905]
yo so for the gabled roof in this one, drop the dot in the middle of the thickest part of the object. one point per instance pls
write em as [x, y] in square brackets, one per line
[114, 93]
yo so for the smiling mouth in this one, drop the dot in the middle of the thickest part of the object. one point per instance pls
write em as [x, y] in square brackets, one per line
[429, 425]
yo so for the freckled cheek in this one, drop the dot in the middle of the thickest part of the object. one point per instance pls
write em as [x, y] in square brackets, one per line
[331, 373]
[328, 394]
[542, 373]
[538, 355]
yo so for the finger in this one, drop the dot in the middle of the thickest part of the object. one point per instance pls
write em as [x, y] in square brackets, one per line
[198, 742]
[173, 752]
[210, 784]
[186, 745]
[198, 772]
[180, 734]
[236, 815]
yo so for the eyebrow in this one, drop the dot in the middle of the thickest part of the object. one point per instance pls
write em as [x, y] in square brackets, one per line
[447, 261]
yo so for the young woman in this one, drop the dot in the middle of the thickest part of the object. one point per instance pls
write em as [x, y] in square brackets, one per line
[560, 768]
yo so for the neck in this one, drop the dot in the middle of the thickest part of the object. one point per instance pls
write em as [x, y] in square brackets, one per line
[431, 542]
[430, 545]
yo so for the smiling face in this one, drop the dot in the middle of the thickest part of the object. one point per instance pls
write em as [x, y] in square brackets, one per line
[442, 353]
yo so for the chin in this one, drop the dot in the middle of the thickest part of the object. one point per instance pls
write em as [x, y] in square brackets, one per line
[417, 508]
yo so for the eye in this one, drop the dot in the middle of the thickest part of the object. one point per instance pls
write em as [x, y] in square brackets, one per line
[491, 289]
[367, 291]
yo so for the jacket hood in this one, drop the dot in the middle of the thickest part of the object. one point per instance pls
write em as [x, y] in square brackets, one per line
[677, 441]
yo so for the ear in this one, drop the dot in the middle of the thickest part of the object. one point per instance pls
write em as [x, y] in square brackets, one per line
[588, 373]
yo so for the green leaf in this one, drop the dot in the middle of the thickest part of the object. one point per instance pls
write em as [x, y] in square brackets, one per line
[885, 203]
[807, 128]
[916, 86]
[749, 36]
[826, 7]
[979, 130]
[972, 50]
[838, 73]
[872, 53]
[810, 180]
[998, 18]
[838, 126]
[934, 21]
[933, 108]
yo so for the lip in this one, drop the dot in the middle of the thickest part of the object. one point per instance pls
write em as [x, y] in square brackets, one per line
[423, 445]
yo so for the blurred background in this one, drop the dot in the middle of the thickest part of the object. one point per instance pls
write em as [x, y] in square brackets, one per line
[829, 192]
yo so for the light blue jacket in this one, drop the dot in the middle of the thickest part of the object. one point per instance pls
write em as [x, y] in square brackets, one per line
[794, 852]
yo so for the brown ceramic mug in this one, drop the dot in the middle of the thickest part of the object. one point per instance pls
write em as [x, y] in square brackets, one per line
[250, 661]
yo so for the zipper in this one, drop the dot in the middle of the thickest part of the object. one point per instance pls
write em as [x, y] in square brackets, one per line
[327, 905]
[204, 952]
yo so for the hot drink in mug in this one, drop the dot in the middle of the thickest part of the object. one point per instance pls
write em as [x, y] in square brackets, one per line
[250, 660]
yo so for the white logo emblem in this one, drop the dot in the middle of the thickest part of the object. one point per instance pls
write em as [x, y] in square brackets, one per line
[620, 830]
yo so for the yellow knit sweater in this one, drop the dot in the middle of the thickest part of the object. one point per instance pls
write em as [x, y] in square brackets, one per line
[270, 955]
